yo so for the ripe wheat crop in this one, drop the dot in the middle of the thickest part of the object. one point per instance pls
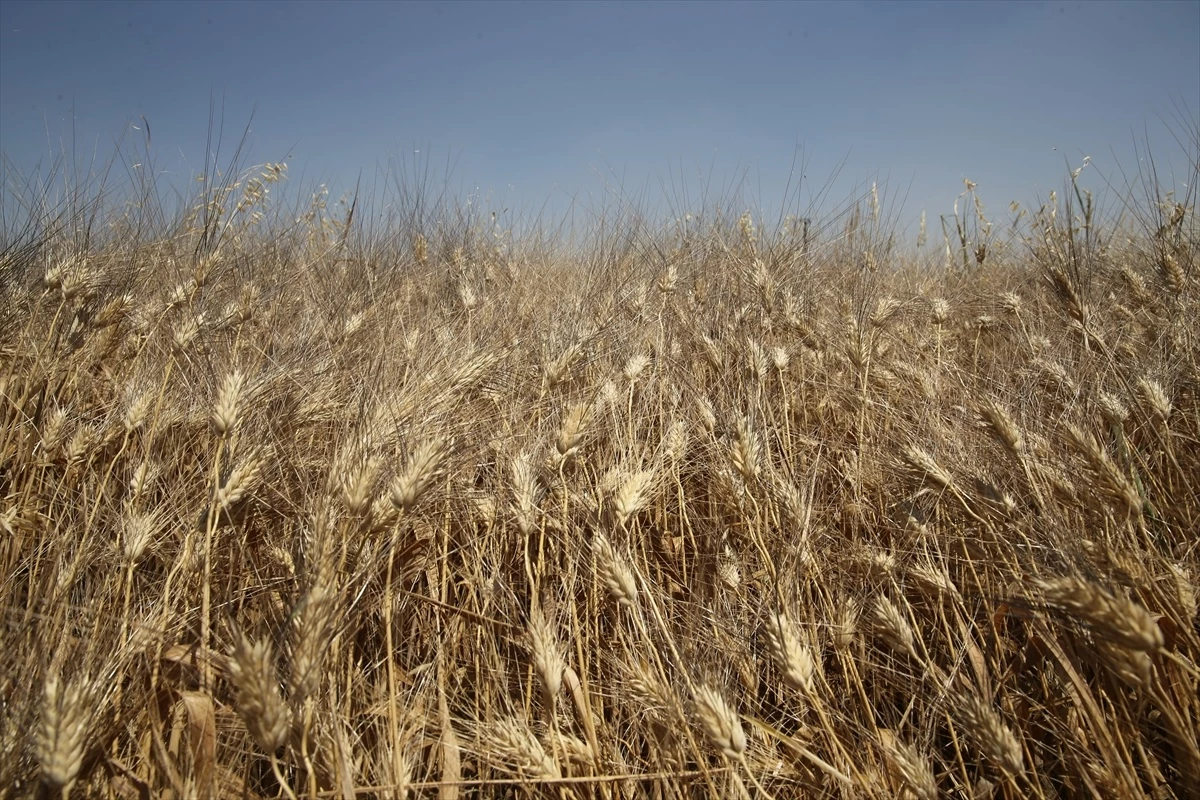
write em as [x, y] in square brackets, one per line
[290, 510]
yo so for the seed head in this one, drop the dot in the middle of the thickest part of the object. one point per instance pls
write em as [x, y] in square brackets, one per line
[745, 451]
[925, 465]
[138, 534]
[515, 744]
[1112, 409]
[225, 413]
[424, 465]
[1114, 617]
[635, 365]
[547, 657]
[845, 624]
[912, 768]
[939, 311]
[136, 409]
[1002, 426]
[312, 623]
[574, 425]
[720, 721]
[894, 627]
[242, 480]
[990, 733]
[1154, 399]
[616, 572]
[358, 486]
[252, 669]
[62, 731]
[793, 660]
[525, 491]
[633, 495]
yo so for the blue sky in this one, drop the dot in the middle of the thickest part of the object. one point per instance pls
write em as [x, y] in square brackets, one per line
[534, 103]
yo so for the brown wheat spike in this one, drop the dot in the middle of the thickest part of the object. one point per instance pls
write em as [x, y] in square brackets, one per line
[81, 445]
[926, 466]
[515, 745]
[793, 500]
[395, 771]
[54, 432]
[633, 495]
[259, 702]
[1154, 399]
[675, 441]
[712, 352]
[780, 358]
[757, 360]
[912, 768]
[136, 409]
[1185, 591]
[547, 656]
[939, 310]
[468, 374]
[358, 486]
[1172, 273]
[893, 625]
[745, 452]
[615, 571]
[935, 580]
[1134, 668]
[185, 334]
[1113, 617]
[635, 366]
[574, 425]
[577, 751]
[556, 370]
[420, 249]
[1002, 426]
[242, 480]
[990, 733]
[1054, 375]
[886, 309]
[525, 491]
[845, 624]
[649, 688]
[1136, 285]
[423, 466]
[143, 477]
[729, 569]
[1112, 409]
[226, 412]
[793, 660]
[720, 722]
[62, 731]
[708, 416]
[139, 531]
[1116, 485]
[312, 623]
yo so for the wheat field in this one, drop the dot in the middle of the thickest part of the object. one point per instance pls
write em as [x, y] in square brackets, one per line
[706, 511]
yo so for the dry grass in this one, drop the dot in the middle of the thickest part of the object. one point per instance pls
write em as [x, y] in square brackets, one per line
[287, 511]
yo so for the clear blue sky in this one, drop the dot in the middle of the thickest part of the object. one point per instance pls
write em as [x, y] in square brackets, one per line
[536, 101]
